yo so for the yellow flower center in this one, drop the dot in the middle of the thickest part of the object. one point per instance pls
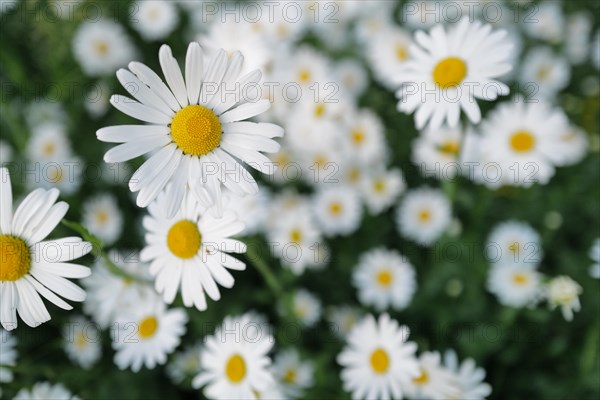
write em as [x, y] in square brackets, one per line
[379, 186]
[384, 278]
[543, 73]
[520, 279]
[354, 175]
[335, 208]
[320, 161]
[319, 110]
[15, 259]
[49, 149]
[184, 239]
[101, 48]
[358, 136]
[102, 217]
[80, 341]
[296, 236]
[55, 175]
[304, 76]
[522, 141]
[449, 72]
[148, 327]
[421, 379]
[450, 147]
[514, 247]
[424, 215]
[380, 361]
[401, 53]
[235, 368]
[290, 376]
[196, 130]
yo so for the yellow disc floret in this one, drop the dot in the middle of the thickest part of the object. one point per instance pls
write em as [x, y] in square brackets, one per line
[196, 130]
[184, 239]
[449, 72]
[380, 361]
[235, 368]
[522, 141]
[15, 258]
[148, 327]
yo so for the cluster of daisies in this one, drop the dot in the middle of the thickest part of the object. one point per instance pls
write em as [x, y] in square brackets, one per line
[205, 132]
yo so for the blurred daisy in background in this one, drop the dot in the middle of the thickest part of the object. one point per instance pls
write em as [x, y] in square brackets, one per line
[514, 242]
[388, 54]
[185, 364]
[252, 210]
[8, 344]
[378, 362]
[574, 145]
[293, 375]
[594, 254]
[103, 218]
[153, 19]
[45, 391]
[31, 267]
[381, 188]
[305, 307]
[384, 279]
[457, 66]
[423, 215]
[234, 364]
[351, 76]
[337, 210]
[564, 292]
[102, 46]
[550, 73]
[146, 333]
[188, 253]
[82, 342]
[549, 23]
[342, 319]
[48, 142]
[437, 152]
[435, 381]
[364, 138]
[515, 285]
[469, 377]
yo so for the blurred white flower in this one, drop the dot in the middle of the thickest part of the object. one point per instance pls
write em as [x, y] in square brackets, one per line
[306, 307]
[387, 54]
[9, 357]
[153, 19]
[423, 215]
[252, 210]
[547, 22]
[548, 72]
[564, 292]
[514, 242]
[292, 374]
[380, 188]
[103, 218]
[337, 210]
[342, 319]
[515, 285]
[351, 77]
[435, 380]
[468, 376]
[185, 364]
[82, 342]
[363, 139]
[48, 142]
[45, 391]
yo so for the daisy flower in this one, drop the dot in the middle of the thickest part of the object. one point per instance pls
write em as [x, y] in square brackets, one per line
[550, 22]
[337, 210]
[146, 333]
[193, 131]
[306, 307]
[235, 364]
[594, 254]
[352, 77]
[154, 19]
[29, 266]
[380, 189]
[468, 376]
[564, 292]
[364, 138]
[457, 67]
[342, 319]
[82, 342]
[574, 146]
[109, 293]
[424, 215]
[188, 252]
[185, 364]
[515, 285]
[549, 73]
[293, 375]
[388, 53]
[437, 152]
[252, 210]
[435, 380]
[8, 344]
[45, 391]
[514, 242]
[101, 46]
[63, 174]
[524, 140]
[48, 142]
[102, 217]
[378, 361]
[384, 279]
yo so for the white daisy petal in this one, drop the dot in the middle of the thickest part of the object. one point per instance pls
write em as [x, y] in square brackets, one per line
[139, 111]
[172, 74]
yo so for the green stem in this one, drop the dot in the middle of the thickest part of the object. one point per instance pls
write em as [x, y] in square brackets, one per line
[262, 267]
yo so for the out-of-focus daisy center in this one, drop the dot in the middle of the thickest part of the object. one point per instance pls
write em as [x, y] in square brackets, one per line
[520, 279]
[49, 149]
[384, 278]
[81, 341]
[235, 368]
[184, 239]
[358, 136]
[319, 110]
[290, 376]
[148, 327]
[424, 216]
[55, 175]
[449, 72]
[15, 259]
[304, 75]
[522, 141]
[296, 236]
[102, 217]
[380, 361]
[196, 130]
[335, 208]
[450, 148]
[421, 379]
[101, 48]
[379, 186]
[401, 53]
[514, 247]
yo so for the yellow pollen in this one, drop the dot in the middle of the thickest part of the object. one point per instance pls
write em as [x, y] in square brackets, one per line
[101, 48]
[49, 149]
[380, 361]
[55, 175]
[102, 216]
[520, 279]
[522, 141]
[424, 216]
[80, 341]
[358, 136]
[401, 53]
[379, 186]
[543, 73]
[290, 376]
[15, 259]
[421, 379]
[281, 159]
[320, 161]
[148, 327]
[304, 76]
[450, 147]
[319, 110]
[449, 72]
[514, 247]
[384, 278]
[235, 368]
[184, 239]
[196, 130]
[354, 175]
[335, 208]
[296, 236]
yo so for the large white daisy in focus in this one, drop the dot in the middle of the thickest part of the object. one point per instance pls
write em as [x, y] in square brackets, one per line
[195, 127]
[449, 69]
[29, 266]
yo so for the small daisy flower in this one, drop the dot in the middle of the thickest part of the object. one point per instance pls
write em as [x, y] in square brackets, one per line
[564, 292]
[252, 210]
[468, 376]
[550, 22]
[595, 256]
[378, 362]
[388, 53]
[352, 77]
[437, 152]
[515, 285]
[424, 215]
[29, 266]
[293, 374]
[62, 174]
[8, 344]
[45, 391]
[380, 189]
[82, 342]
[435, 381]
[189, 252]
[235, 364]
[338, 210]
[574, 145]
[154, 19]
[514, 242]
[146, 333]
[306, 308]
[185, 364]
[101, 46]
[102, 217]
[342, 319]
[457, 66]
[384, 279]
[194, 134]
[48, 142]
[550, 73]
[364, 138]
